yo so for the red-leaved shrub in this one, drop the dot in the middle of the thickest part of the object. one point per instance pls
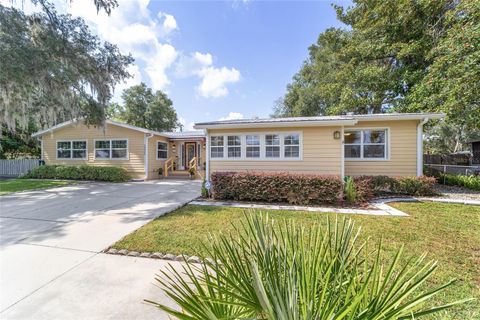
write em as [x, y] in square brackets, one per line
[277, 187]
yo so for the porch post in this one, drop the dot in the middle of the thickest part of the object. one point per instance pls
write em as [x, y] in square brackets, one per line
[207, 156]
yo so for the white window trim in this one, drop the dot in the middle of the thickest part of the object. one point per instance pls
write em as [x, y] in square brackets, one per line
[387, 144]
[157, 150]
[253, 145]
[234, 146]
[243, 139]
[71, 149]
[110, 159]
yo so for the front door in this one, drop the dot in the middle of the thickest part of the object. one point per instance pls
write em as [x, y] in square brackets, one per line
[190, 152]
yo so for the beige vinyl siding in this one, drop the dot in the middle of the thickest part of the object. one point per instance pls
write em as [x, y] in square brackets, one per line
[321, 153]
[153, 163]
[402, 146]
[135, 164]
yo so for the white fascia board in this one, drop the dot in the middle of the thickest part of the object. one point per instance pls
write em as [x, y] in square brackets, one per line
[399, 117]
[290, 124]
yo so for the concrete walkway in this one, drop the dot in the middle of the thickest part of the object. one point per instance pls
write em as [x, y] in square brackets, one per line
[50, 243]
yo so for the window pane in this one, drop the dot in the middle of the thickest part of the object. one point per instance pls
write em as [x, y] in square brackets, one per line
[374, 151]
[79, 154]
[162, 154]
[122, 153]
[352, 151]
[292, 139]
[63, 154]
[272, 152]
[352, 136]
[253, 140]
[292, 151]
[102, 153]
[119, 144]
[233, 141]
[217, 140]
[102, 144]
[253, 152]
[162, 146]
[272, 139]
[234, 152]
[374, 136]
[63, 145]
[216, 152]
[79, 145]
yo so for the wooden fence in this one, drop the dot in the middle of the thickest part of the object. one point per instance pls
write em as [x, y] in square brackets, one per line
[17, 167]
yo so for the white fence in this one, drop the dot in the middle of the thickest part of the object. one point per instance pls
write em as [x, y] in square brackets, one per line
[15, 168]
[454, 169]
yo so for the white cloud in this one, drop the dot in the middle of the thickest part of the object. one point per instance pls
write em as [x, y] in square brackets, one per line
[191, 65]
[233, 116]
[214, 81]
[187, 126]
[136, 78]
[169, 23]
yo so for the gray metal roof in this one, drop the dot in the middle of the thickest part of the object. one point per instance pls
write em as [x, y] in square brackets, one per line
[185, 134]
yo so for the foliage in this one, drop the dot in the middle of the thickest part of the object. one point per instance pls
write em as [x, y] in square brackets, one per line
[370, 186]
[54, 69]
[8, 186]
[204, 190]
[83, 172]
[446, 138]
[394, 55]
[471, 182]
[277, 187]
[18, 144]
[262, 271]
[145, 108]
[350, 190]
[160, 171]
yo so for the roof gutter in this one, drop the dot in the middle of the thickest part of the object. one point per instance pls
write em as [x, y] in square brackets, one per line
[145, 141]
[276, 124]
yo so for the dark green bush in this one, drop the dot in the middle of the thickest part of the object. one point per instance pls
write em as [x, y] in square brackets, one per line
[471, 182]
[370, 186]
[83, 172]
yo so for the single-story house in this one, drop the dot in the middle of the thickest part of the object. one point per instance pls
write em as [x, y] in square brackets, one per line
[376, 144]
[348, 145]
[140, 151]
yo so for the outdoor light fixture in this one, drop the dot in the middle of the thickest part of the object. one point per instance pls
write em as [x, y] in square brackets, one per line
[336, 135]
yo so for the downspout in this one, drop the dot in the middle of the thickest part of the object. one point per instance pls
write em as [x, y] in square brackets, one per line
[342, 142]
[207, 156]
[145, 143]
[420, 146]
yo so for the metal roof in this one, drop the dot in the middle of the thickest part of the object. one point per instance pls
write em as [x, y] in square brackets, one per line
[185, 134]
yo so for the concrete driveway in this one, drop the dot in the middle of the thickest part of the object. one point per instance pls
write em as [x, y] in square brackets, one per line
[51, 265]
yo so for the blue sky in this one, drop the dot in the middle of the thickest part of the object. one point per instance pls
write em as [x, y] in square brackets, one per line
[215, 59]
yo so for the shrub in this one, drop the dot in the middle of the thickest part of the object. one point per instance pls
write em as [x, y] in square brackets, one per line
[370, 186]
[415, 186]
[471, 182]
[204, 190]
[266, 270]
[277, 187]
[83, 172]
[350, 190]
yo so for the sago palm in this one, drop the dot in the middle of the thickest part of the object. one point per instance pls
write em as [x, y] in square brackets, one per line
[266, 270]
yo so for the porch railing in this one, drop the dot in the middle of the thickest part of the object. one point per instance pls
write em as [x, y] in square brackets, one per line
[168, 166]
[192, 164]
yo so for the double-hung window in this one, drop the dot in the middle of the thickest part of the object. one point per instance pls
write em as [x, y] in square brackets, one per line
[111, 149]
[366, 144]
[291, 144]
[253, 146]
[272, 146]
[216, 148]
[234, 147]
[162, 150]
[75, 149]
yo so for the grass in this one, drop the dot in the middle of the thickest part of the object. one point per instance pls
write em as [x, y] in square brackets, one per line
[16, 185]
[450, 233]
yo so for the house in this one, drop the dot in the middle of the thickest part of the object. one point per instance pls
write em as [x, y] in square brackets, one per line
[376, 144]
[140, 151]
[350, 145]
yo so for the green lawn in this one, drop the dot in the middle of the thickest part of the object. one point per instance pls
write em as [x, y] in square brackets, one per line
[450, 233]
[16, 185]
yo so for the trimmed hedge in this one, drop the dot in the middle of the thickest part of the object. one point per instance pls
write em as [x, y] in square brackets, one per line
[471, 182]
[371, 186]
[83, 172]
[277, 187]
[312, 189]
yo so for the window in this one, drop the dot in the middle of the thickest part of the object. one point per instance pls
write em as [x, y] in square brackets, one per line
[216, 148]
[291, 143]
[366, 144]
[234, 149]
[162, 150]
[253, 146]
[111, 149]
[272, 146]
[76, 149]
